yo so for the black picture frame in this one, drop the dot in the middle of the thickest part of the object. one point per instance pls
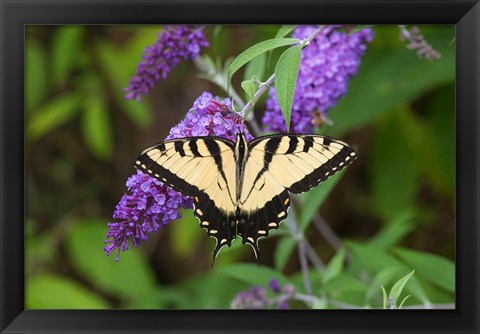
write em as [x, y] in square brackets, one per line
[15, 14]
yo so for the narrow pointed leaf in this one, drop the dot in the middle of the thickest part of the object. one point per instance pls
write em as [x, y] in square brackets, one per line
[256, 50]
[286, 73]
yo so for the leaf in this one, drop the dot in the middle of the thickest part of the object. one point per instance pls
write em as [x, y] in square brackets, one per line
[52, 115]
[390, 77]
[249, 86]
[358, 28]
[344, 282]
[56, 292]
[283, 251]
[130, 277]
[185, 232]
[255, 51]
[35, 74]
[434, 268]
[119, 69]
[385, 298]
[394, 231]
[284, 30]
[335, 266]
[403, 301]
[66, 47]
[397, 288]
[252, 274]
[313, 199]
[96, 127]
[286, 73]
[256, 67]
[382, 278]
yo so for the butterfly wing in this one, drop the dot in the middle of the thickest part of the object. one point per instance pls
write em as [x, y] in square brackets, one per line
[202, 168]
[279, 164]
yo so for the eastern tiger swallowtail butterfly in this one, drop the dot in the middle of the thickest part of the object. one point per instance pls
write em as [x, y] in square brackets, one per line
[243, 187]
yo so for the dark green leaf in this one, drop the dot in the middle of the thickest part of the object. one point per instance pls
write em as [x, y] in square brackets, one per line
[96, 127]
[286, 73]
[51, 115]
[252, 274]
[284, 31]
[313, 199]
[256, 67]
[344, 282]
[397, 288]
[358, 28]
[434, 268]
[35, 75]
[55, 292]
[283, 251]
[394, 231]
[130, 277]
[255, 51]
[66, 47]
[335, 266]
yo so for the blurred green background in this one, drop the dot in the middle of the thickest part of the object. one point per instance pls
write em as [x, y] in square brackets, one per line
[393, 210]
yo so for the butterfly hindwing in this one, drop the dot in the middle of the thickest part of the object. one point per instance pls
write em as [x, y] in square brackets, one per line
[202, 168]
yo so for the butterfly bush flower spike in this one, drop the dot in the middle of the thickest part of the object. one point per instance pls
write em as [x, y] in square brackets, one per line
[327, 64]
[174, 44]
[257, 297]
[149, 204]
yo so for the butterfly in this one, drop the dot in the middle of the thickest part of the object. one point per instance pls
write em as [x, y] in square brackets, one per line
[243, 187]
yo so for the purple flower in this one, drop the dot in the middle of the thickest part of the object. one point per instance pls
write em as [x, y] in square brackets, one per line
[274, 285]
[327, 64]
[150, 204]
[174, 43]
[255, 298]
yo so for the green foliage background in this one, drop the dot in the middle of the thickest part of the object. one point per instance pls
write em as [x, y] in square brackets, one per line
[393, 209]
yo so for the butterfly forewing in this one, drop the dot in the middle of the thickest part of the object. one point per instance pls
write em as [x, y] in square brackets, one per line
[204, 169]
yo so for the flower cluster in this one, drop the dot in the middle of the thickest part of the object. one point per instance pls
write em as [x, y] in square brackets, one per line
[174, 43]
[256, 297]
[327, 64]
[150, 204]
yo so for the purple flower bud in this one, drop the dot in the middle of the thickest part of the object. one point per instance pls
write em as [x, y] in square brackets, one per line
[283, 305]
[174, 43]
[274, 285]
[255, 298]
[327, 64]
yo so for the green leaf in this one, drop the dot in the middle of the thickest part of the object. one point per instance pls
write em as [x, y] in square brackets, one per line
[66, 47]
[389, 78]
[358, 28]
[385, 298]
[397, 288]
[394, 231]
[344, 282]
[118, 66]
[186, 233]
[56, 292]
[130, 277]
[252, 274]
[256, 67]
[52, 115]
[255, 51]
[434, 268]
[382, 278]
[286, 73]
[35, 74]
[313, 199]
[335, 266]
[283, 251]
[403, 301]
[284, 30]
[249, 86]
[319, 303]
[96, 127]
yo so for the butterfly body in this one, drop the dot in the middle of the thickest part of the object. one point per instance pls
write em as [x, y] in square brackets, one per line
[243, 187]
